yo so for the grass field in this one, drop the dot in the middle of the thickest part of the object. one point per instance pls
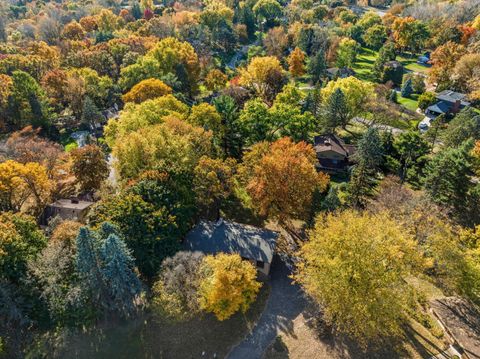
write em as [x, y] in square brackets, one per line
[365, 60]
[410, 103]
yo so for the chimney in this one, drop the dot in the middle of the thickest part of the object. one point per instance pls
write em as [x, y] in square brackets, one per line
[456, 106]
[74, 200]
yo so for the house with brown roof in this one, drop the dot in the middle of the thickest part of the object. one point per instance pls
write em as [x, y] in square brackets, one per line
[333, 154]
[67, 209]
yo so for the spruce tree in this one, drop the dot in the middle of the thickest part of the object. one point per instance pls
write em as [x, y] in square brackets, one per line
[336, 111]
[123, 284]
[90, 112]
[407, 88]
[368, 158]
[137, 11]
[317, 66]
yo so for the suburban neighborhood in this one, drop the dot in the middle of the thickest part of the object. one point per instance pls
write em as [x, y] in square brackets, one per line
[260, 179]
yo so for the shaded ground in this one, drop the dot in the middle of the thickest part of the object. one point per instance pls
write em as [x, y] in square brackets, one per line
[285, 303]
[202, 337]
[462, 320]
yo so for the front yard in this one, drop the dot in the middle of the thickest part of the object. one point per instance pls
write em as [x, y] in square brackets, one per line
[151, 337]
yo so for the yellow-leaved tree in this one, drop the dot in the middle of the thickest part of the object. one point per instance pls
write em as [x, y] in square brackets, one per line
[265, 76]
[146, 90]
[354, 266]
[228, 285]
[358, 94]
[24, 187]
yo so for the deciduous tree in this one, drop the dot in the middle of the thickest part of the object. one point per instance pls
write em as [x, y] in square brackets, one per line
[296, 62]
[284, 180]
[228, 285]
[146, 90]
[354, 266]
[89, 167]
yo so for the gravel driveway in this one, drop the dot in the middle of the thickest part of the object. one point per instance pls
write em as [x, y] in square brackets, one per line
[284, 304]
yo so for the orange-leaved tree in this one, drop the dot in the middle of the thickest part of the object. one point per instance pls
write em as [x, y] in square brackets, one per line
[284, 180]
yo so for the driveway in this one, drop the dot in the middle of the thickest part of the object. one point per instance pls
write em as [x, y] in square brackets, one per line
[284, 304]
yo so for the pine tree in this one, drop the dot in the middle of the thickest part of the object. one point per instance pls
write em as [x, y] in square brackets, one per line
[123, 284]
[369, 157]
[136, 11]
[336, 111]
[407, 88]
[317, 66]
[232, 140]
[90, 113]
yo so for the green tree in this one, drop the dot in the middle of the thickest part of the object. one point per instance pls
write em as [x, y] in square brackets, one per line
[407, 89]
[368, 158]
[267, 12]
[465, 126]
[255, 121]
[20, 241]
[91, 115]
[412, 150]
[375, 36]
[28, 105]
[447, 179]
[336, 111]
[232, 141]
[426, 99]
[317, 66]
[119, 272]
[153, 214]
[106, 271]
[89, 167]
[347, 52]
[354, 266]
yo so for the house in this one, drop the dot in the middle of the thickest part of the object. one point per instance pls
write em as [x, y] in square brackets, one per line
[424, 59]
[449, 102]
[332, 153]
[251, 243]
[72, 209]
[339, 73]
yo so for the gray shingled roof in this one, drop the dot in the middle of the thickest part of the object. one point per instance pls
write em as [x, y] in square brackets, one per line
[440, 107]
[452, 96]
[230, 237]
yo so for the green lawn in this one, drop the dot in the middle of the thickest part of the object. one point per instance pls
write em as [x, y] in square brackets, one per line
[364, 64]
[365, 60]
[410, 63]
[409, 103]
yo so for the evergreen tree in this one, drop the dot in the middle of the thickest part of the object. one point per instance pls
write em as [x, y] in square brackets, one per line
[3, 33]
[106, 270]
[393, 96]
[137, 11]
[336, 111]
[118, 271]
[232, 139]
[317, 66]
[368, 158]
[90, 113]
[407, 88]
[447, 181]
[386, 53]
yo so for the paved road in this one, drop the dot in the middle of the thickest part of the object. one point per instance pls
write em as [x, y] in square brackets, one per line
[284, 304]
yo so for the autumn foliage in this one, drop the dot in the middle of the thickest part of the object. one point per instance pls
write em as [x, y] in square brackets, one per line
[284, 180]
